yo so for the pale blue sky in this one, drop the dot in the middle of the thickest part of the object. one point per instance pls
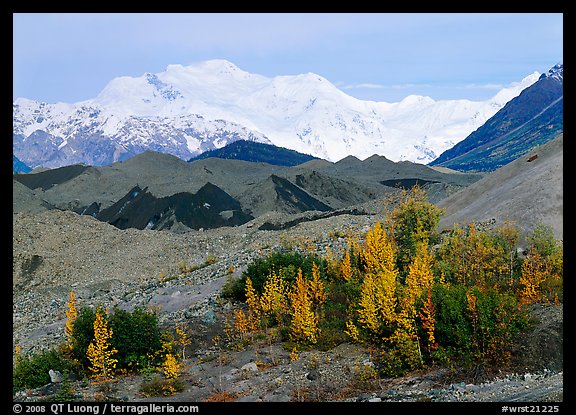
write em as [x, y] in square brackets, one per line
[377, 56]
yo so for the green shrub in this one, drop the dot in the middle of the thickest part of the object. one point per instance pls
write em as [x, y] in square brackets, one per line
[499, 320]
[66, 392]
[397, 355]
[452, 330]
[413, 221]
[542, 240]
[342, 297]
[83, 334]
[479, 334]
[390, 363]
[32, 371]
[136, 336]
[234, 289]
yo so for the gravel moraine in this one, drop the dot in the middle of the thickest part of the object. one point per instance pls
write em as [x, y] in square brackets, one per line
[56, 252]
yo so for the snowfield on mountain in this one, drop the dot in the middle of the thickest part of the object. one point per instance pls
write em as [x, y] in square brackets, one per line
[187, 110]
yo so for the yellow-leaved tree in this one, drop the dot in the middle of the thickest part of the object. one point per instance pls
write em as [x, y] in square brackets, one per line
[304, 324]
[378, 251]
[273, 302]
[534, 273]
[317, 289]
[377, 305]
[369, 313]
[346, 266]
[418, 281]
[100, 351]
[71, 315]
[253, 302]
[171, 367]
[183, 338]
[242, 325]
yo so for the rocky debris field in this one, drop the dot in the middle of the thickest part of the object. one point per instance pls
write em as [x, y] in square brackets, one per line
[56, 252]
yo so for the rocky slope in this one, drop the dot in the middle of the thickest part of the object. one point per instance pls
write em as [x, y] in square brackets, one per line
[527, 191]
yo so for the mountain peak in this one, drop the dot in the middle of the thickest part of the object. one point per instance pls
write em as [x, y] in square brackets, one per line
[221, 65]
[411, 100]
[218, 68]
[556, 72]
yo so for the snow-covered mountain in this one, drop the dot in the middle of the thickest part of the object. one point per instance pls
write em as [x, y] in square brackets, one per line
[187, 110]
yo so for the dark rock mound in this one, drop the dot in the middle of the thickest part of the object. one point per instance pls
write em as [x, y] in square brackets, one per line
[295, 196]
[210, 207]
[338, 192]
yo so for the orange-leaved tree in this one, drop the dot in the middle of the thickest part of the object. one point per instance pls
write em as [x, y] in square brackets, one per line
[427, 320]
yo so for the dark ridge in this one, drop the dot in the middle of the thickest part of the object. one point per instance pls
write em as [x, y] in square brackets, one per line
[46, 179]
[294, 196]
[532, 118]
[326, 186]
[269, 226]
[503, 150]
[406, 183]
[257, 152]
[353, 160]
[141, 210]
